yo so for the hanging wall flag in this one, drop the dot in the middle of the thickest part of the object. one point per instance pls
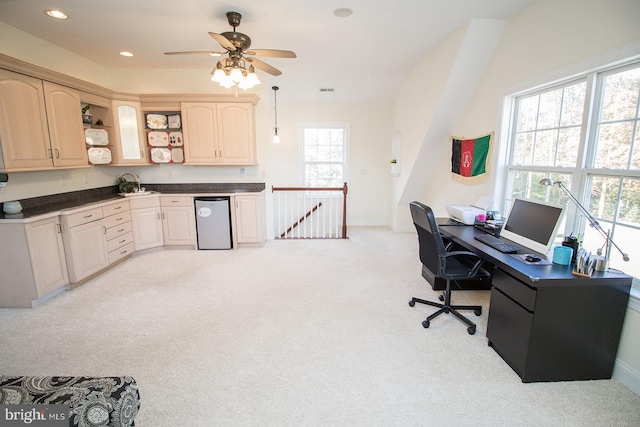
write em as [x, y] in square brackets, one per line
[469, 157]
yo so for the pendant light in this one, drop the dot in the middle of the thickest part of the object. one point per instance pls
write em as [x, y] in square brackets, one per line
[276, 137]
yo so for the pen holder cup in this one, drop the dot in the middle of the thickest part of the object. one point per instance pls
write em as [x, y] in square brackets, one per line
[562, 255]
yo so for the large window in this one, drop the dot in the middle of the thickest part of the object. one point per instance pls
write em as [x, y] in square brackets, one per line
[324, 154]
[585, 133]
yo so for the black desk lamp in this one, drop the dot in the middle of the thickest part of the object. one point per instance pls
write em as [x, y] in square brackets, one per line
[593, 222]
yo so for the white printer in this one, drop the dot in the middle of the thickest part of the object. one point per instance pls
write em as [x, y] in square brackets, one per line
[467, 214]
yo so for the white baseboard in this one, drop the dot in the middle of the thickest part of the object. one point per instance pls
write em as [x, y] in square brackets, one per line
[627, 376]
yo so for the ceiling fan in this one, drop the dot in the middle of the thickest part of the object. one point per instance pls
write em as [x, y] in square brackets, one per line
[237, 47]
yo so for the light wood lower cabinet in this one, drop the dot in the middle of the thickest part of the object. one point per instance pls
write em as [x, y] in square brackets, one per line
[178, 220]
[248, 213]
[119, 235]
[146, 223]
[32, 261]
[85, 243]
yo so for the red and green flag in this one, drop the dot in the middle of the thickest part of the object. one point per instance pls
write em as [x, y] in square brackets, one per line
[469, 156]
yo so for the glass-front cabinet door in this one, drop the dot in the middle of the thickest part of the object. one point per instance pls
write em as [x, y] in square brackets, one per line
[130, 144]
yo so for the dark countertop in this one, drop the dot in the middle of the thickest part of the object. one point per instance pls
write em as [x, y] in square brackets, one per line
[42, 205]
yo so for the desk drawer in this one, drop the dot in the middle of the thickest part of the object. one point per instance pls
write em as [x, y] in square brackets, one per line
[514, 289]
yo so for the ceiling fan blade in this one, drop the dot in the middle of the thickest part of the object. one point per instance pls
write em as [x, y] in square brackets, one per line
[196, 52]
[273, 53]
[224, 42]
[264, 66]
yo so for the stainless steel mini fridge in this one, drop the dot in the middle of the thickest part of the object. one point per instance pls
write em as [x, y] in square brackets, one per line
[213, 222]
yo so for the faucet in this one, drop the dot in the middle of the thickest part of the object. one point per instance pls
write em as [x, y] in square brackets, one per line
[134, 178]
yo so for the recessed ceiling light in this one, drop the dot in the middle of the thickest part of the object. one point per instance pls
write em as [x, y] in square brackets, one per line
[343, 12]
[125, 53]
[56, 14]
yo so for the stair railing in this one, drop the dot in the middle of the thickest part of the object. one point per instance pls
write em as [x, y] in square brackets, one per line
[310, 212]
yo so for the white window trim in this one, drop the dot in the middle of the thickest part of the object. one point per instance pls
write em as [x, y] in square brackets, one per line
[618, 57]
[345, 162]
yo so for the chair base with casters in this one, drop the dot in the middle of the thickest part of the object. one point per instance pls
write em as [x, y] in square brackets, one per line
[446, 263]
[446, 307]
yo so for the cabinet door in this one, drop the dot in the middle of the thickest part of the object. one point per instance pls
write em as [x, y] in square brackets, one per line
[178, 226]
[130, 146]
[248, 219]
[147, 228]
[236, 134]
[200, 133]
[86, 250]
[24, 133]
[66, 133]
[46, 250]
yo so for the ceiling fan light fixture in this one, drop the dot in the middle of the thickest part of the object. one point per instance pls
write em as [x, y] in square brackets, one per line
[236, 74]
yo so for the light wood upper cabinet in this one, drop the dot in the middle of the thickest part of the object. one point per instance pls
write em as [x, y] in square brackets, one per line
[130, 146]
[200, 133]
[24, 134]
[64, 118]
[218, 133]
[236, 133]
[40, 125]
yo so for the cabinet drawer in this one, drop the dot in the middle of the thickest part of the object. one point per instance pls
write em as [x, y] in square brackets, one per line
[514, 289]
[83, 217]
[120, 218]
[116, 208]
[118, 230]
[120, 241]
[176, 201]
[145, 202]
[120, 253]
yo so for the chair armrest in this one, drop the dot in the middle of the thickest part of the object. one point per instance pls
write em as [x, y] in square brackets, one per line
[473, 271]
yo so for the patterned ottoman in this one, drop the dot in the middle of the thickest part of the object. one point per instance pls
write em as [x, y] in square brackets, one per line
[92, 401]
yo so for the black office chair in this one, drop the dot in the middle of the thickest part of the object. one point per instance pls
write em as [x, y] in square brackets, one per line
[455, 265]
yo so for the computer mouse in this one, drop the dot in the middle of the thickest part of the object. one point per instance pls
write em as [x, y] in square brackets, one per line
[532, 258]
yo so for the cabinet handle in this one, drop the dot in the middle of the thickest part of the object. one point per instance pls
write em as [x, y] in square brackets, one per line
[158, 215]
[123, 252]
[118, 207]
[50, 153]
[88, 216]
[59, 228]
[57, 153]
[163, 216]
[119, 219]
[122, 241]
[220, 153]
[121, 230]
[175, 201]
[105, 230]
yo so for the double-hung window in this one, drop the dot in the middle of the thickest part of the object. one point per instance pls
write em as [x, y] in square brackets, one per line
[324, 154]
[586, 134]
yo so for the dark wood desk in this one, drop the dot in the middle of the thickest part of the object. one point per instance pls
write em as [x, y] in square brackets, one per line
[547, 324]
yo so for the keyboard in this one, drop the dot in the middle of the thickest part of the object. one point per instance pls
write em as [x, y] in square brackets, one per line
[498, 244]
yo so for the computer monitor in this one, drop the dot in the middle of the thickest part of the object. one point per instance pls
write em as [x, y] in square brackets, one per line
[533, 224]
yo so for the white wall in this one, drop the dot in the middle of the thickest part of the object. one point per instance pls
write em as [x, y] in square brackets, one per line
[368, 154]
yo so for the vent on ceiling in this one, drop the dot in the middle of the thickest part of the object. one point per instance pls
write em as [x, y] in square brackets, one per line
[326, 89]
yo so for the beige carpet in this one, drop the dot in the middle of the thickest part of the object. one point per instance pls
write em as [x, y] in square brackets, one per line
[298, 333]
